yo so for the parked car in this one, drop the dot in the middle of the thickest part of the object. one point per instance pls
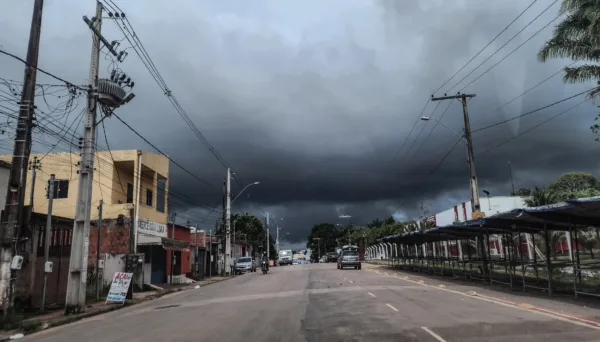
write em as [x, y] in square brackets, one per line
[348, 259]
[245, 264]
[332, 257]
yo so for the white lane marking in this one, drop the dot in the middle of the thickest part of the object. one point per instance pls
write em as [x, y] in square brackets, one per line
[350, 281]
[436, 336]
[391, 307]
[565, 318]
[370, 294]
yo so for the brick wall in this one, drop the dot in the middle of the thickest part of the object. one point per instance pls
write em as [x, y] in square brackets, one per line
[114, 239]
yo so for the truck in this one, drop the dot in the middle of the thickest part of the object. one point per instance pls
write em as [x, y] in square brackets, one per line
[285, 257]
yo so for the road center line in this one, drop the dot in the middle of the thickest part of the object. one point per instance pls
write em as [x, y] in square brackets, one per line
[370, 294]
[391, 307]
[436, 336]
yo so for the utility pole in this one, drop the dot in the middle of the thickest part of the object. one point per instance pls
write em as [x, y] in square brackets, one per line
[228, 223]
[476, 207]
[277, 241]
[98, 278]
[173, 217]
[11, 221]
[47, 239]
[268, 232]
[210, 261]
[76, 286]
[511, 178]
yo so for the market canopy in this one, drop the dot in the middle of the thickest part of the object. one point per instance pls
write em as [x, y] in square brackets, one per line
[571, 214]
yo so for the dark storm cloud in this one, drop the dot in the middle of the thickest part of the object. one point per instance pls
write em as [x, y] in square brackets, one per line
[313, 99]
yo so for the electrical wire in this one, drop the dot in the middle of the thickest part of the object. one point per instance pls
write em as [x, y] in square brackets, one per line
[503, 45]
[533, 111]
[486, 46]
[409, 133]
[410, 195]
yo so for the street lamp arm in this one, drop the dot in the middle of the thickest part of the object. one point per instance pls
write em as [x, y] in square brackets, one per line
[246, 187]
[427, 118]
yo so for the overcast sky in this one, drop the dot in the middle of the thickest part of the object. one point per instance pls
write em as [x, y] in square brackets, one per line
[315, 98]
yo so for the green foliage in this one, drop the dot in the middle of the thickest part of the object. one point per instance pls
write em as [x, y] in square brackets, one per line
[577, 37]
[574, 184]
[250, 229]
[541, 196]
[521, 192]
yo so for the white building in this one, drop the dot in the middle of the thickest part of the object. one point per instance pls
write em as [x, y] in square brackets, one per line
[489, 205]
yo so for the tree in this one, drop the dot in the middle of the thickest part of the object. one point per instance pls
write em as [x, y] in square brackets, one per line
[327, 233]
[571, 183]
[577, 37]
[521, 192]
[539, 197]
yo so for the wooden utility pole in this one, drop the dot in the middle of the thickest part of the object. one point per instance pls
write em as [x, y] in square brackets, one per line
[12, 220]
[476, 207]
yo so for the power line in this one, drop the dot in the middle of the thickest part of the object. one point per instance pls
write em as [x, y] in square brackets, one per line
[161, 152]
[500, 48]
[532, 128]
[409, 133]
[421, 131]
[42, 70]
[486, 46]
[140, 50]
[533, 111]
[437, 121]
[430, 173]
[513, 51]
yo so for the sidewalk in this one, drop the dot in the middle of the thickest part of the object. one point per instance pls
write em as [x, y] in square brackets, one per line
[585, 309]
[93, 308]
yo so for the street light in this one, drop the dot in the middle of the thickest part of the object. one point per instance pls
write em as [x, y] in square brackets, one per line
[487, 193]
[246, 187]
[428, 118]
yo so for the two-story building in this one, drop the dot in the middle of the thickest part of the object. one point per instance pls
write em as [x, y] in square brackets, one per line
[133, 187]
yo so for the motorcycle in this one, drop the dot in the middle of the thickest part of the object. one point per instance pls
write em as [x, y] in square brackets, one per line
[264, 267]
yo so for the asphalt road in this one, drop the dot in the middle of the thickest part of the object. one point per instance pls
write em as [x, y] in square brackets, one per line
[317, 302]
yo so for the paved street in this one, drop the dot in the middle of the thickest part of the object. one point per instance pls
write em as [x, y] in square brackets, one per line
[319, 303]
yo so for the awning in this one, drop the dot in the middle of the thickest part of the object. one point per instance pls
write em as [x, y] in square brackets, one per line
[174, 244]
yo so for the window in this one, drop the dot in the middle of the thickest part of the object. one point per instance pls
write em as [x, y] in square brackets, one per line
[129, 193]
[61, 188]
[149, 197]
[161, 189]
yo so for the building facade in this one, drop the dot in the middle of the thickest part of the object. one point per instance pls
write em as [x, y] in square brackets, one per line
[133, 187]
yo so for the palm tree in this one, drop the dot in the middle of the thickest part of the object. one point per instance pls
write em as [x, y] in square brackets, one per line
[577, 37]
[539, 197]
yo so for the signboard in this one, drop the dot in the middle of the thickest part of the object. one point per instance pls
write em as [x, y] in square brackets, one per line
[151, 228]
[119, 287]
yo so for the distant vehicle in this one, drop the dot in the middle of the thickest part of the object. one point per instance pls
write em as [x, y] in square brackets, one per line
[331, 257]
[285, 257]
[348, 258]
[245, 264]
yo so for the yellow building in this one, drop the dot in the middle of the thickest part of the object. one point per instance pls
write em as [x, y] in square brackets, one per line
[116, 182]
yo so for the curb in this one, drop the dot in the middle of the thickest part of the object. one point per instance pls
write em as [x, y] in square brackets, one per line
[41, 324]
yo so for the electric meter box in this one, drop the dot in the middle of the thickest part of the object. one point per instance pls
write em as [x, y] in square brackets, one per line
[48, 267]
[16, 263]
[100, 264]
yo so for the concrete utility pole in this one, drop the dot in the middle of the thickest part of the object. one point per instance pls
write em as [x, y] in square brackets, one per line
[210, 261]
[98, 278]
[173, 217]
[268, 232]
[47, 239]
[476, 207]
[11, 221]
[228, 222]
[277, 241]
[76, 286]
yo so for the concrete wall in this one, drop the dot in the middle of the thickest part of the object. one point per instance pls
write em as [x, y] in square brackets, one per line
[183, 234]
[113, 263]
[4, 175]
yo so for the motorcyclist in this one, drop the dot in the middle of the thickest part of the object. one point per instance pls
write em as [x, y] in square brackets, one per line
[265, 260]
